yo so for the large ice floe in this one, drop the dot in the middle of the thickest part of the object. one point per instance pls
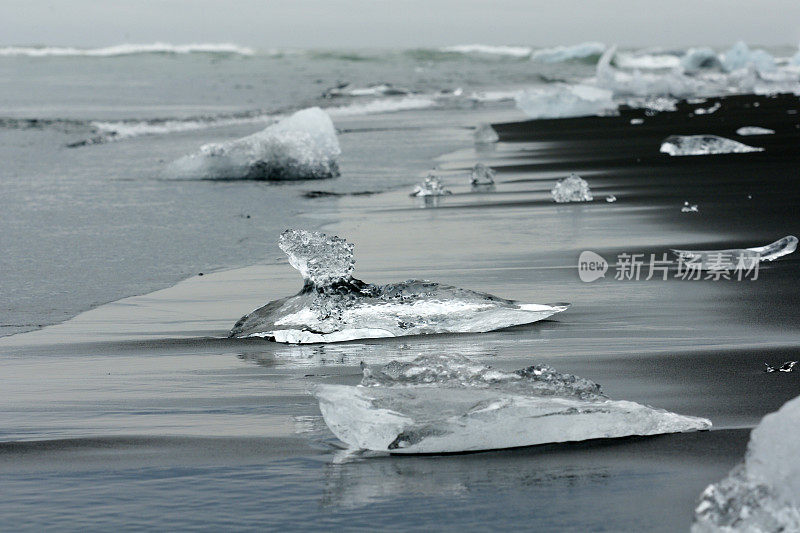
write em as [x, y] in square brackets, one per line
[334, 306]
[562, 100]
[572, 189]
[447, 404]
[302, 146]
[738, 257]
[762, 494]
[638, 84]
[681, 145]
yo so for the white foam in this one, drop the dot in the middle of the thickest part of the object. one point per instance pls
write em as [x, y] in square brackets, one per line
[384, 105]
[566, 53]
[128, 49]
[488, 49]
[647, 61]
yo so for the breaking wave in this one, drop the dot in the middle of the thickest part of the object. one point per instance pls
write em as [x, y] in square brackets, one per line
[128, 49]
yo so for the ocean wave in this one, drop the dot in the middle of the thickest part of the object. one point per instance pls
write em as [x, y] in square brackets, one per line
[558, 54]
[647, 61]
[128, 49]
[488, 49]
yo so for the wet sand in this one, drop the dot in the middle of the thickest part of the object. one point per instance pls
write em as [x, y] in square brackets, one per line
[145, 399]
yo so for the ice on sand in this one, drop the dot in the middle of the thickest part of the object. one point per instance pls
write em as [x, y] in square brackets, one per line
[561, 100]
[445, 404]
[572, 189]
[485, 134]
[334, 306]
[432, 186]
[683, 145]
[481, 175]
[754, 130]
[302, 146]
[738, 257]
[763, 493]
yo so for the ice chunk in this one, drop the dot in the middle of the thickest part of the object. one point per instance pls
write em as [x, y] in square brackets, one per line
[432, 186]
[787, 366]
[707, 110]
[302, 146]
[763, 493]
[741, 56]
[572, 189]
[679, 145]
[738, 257]
[589, 50]
[621, 83]
[561, 100]
[611, 198]
[445, 404]
[637, 121]
[485, 134]
[754, 130]
[696, 59]
[689, 208]
[333, 306]
[482, 175]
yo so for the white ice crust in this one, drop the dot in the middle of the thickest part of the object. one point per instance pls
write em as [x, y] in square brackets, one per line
[302, 146]
[446, 404]
[562, 100]
[685, 145]
[763, 493]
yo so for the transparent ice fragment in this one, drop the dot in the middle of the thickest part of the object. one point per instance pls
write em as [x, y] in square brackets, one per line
[485, 134]
[754, 130]
[482, 175]
[682, 145]
[572, 189]
[738, 257]
[432, 186]
[445, 404]
[333, 306]
[302, 146]
[561, 100]
[763, 493]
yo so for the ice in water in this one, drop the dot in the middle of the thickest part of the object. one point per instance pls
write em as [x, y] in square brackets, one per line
[485, 134]
[763, 493]
[442, 404]
[738, 257]
[754, 130]
[572, 189]
[482, 176]
[689, 208]
[302, 146]
[333, 306]
[740, 56]
[682, 145]
[560, 100]
[432, 186]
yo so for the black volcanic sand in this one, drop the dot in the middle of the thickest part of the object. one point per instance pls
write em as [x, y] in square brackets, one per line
[163, 420]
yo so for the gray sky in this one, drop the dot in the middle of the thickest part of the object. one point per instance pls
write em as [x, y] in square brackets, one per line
[393, 23]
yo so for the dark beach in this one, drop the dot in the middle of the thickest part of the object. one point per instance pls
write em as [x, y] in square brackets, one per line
[139, 414]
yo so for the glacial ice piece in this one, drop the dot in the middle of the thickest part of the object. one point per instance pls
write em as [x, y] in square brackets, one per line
[481, 175]
[787, 366]
[703, 58]
[302, 146]
[680, 145]
[333, 306]
[741, 56]
[611, 198]
[620, 83]
[738, 257]
[485, 134]
[762, 494]
[754, 130]
[572, 189]
[689, 208]
[561, 100]
[558, 54]
[432, 186]
[447, 404]
[707, 110]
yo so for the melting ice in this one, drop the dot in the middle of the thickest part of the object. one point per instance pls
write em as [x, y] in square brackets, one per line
[763, 493]
[680, 145]
[302, 146]
[485, 134]
[334, 306]
[572, 189]
[432, 186]
[561, 100]
[482, 176]
[444, 404]
[738, 257]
